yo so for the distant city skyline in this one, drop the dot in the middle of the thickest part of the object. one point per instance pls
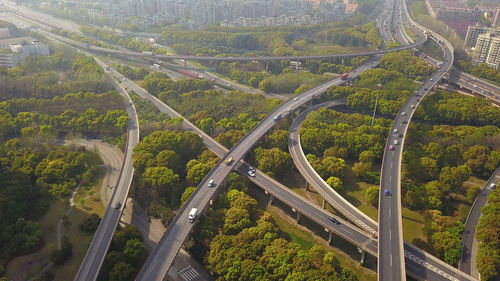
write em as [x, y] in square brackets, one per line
[200, 13]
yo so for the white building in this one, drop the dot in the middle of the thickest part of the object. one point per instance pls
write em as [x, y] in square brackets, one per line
[15, 50]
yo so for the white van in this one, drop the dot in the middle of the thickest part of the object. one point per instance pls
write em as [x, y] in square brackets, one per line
[193, 214]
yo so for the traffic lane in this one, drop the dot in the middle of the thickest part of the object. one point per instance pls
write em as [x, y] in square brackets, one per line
[389, 239]
[434, 266]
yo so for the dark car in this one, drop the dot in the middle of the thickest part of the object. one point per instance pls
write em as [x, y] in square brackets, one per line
[386, 192]
[334, 220]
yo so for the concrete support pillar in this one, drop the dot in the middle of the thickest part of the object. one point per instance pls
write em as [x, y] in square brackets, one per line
[362, 261]
[185, 64]
[330, 238]
[297, 66]
[298, 217]
[271, 199]
[324, 204]
[307, 186]
[267, 66]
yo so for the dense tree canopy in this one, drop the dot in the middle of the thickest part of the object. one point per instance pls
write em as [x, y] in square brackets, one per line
[250, 246]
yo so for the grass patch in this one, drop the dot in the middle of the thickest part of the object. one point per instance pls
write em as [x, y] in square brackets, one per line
[413, 222]
[80, 241]
[356, 195]
[89, 199]
[413, 225]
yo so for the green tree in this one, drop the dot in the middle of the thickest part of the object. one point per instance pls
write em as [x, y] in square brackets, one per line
[273, 160]
[170, 159]
[197, 172]
[186, 194]
[122, 271]
[236, 220]
[372, 194]
[336, 184]
[162, 178]
[472, 193]
[476, 157]
[134, 252]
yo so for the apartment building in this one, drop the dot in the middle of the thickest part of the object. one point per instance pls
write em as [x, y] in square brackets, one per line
[487, 50]
[473, 33]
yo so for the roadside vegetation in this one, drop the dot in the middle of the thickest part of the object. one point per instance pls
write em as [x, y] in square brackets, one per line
[488, 257]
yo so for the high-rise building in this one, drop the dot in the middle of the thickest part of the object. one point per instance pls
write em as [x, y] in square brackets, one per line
[487, 50]
[496, 17]
[473, 33]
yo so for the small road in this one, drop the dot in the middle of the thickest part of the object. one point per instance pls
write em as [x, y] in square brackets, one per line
[467, 260]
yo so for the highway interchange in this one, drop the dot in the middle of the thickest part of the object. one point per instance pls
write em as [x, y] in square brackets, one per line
[256, 133]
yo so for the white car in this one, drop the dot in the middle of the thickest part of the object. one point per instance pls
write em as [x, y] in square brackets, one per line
[211, 183]
[492, 186]
[396, 142]
[251, 173]
[295, 98]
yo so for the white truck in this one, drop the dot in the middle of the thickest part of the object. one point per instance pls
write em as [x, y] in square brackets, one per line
[192, 215]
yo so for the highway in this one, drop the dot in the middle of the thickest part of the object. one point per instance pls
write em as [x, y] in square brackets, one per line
[89, 269]
[390, 244]
[311, 176]
[467, 258]
[351, 75]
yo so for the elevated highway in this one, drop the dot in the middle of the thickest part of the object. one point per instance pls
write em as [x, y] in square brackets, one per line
[89, 268]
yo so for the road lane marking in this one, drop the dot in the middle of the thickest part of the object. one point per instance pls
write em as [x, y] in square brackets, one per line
[391, 259]
[390, 234]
